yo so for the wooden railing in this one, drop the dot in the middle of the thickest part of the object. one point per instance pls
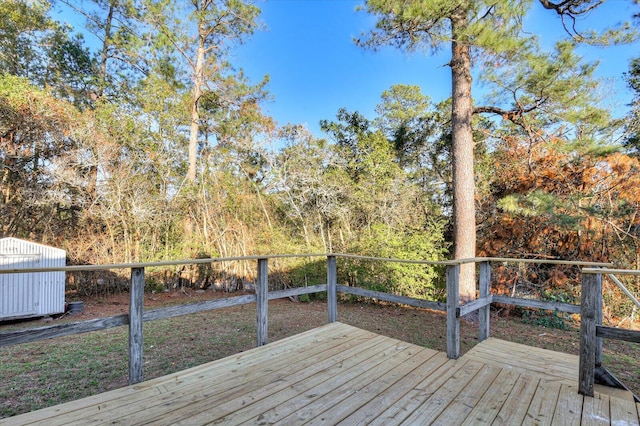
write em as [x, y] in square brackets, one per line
[591, 329]
[591, 310]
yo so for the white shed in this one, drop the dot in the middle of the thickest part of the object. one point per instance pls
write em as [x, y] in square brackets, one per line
[31, 294]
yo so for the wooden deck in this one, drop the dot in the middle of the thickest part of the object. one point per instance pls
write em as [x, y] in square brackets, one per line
[338, 374]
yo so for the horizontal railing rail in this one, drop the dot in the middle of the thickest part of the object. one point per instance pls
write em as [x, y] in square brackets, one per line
[392, 298]
[537, 304]
[107, 267]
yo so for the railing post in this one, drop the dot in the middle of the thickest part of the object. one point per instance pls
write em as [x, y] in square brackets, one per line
[262, 302]
[453, 320]
[589, 300]
[599, 319]
[135, 326]
[332, 294]
[484, 313]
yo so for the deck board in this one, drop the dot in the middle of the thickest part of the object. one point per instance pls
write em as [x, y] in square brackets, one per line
[569, 407]
[553, 366]
[114, 400]
[595, 411]
[543, 404]
[622, 411]
[514, 410]
[383, 385]
[397, 412]
[460, 408]
[228, 380]
[362, 383]
[432, 406]
[338, 374]
[314, 381]
[280, 386]
[373, 409]
[487, 408]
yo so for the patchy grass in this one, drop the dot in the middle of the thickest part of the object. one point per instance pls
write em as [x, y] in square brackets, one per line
[46, 373]
[41, 374]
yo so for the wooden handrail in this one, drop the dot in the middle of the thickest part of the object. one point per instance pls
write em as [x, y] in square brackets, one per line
[591, 309]
[106, 267]
[543, 261]
[537, 304]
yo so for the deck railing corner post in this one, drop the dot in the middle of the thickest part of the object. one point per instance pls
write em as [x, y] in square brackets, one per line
[590, 303]
[262, 302]
[332, 293]
[453, 321]
[135, 326]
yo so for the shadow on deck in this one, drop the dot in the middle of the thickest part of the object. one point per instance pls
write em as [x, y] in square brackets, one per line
[338, 374]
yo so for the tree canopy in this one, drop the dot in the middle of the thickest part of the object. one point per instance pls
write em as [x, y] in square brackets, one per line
[153, 144]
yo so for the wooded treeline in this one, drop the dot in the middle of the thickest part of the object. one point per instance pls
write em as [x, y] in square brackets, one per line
[151, 144]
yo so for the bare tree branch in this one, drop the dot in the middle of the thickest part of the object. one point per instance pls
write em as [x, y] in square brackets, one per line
[570, 9]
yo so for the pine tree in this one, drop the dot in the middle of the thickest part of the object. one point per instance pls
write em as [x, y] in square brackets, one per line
[491, 33]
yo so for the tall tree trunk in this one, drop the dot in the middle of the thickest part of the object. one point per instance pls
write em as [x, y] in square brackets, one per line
[106, 45]
[92, 174]
[194, 128]
[462, 150]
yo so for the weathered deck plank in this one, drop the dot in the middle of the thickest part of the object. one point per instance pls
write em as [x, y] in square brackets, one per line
[381, 386]
[210, 389]
[569, 407]
[623, 412]
[535, 361]
[373, 409]
[296, 390]
[514, 410]
[543, 404]
[595, 411]
[396, 413]
[487, 409]
[332, 392]
[337, 374]
[434, 404]
[285, 382]
[468, 398]
[61, 414]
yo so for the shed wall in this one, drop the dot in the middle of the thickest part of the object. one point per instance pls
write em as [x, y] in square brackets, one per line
[33, 293]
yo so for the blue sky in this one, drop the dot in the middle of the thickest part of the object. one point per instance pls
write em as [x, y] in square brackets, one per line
[315, 68]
